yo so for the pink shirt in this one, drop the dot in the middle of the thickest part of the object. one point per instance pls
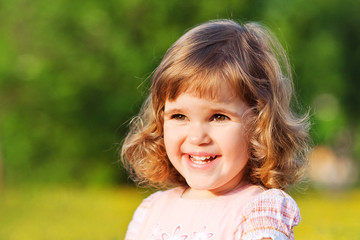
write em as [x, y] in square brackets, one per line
[247, 213]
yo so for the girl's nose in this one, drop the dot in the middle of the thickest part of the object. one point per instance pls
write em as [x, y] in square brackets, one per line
[198, 135]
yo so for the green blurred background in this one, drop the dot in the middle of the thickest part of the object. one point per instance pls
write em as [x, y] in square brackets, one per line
[72, 73]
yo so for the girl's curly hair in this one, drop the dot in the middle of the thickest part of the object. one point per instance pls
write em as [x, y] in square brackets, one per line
[253, 63]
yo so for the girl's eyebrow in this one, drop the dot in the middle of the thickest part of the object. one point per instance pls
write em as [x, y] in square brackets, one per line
[226, 111]
[173, 111]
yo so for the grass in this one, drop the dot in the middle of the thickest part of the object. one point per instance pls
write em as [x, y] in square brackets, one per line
[103, 213]
[66, 213]
[329, 215]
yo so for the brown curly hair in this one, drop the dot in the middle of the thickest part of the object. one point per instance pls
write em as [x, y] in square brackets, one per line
[252, 62]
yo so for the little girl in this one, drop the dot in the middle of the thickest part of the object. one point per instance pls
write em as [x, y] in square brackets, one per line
[218, 131]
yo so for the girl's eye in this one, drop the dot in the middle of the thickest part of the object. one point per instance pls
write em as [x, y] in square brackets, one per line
[178, 117]
[220, 117]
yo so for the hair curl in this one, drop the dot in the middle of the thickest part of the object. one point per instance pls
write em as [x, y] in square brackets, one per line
[253, 63]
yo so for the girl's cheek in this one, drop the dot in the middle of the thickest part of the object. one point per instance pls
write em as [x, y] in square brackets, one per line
[172, 130]
[175, 134]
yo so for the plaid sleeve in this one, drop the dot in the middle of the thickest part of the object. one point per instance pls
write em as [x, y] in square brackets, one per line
[139, 217]
[271, 215]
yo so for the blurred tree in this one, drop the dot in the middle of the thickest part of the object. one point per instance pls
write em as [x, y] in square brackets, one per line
[70, 73]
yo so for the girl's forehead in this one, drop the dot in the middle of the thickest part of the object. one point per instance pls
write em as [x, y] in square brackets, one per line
[221, 95]
[193, 104]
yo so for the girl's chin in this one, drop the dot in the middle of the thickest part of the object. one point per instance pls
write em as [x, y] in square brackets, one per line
[198, 189]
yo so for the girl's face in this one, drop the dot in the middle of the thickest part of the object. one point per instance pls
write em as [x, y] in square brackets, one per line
[205, 141]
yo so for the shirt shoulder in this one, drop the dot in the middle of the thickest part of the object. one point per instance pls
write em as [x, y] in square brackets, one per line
[272, 214]
[143, 210]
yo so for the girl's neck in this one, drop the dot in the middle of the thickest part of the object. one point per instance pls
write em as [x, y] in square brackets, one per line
[190, 193]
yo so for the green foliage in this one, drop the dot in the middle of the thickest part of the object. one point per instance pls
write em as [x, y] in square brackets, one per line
[70, 73]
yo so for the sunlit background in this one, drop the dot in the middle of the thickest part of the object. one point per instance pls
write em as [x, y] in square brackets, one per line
[72, 73]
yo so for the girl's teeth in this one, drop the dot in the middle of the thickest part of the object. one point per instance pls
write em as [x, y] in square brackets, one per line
[201, 160]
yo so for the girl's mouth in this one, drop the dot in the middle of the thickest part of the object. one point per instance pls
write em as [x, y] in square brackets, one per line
[202, 159]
